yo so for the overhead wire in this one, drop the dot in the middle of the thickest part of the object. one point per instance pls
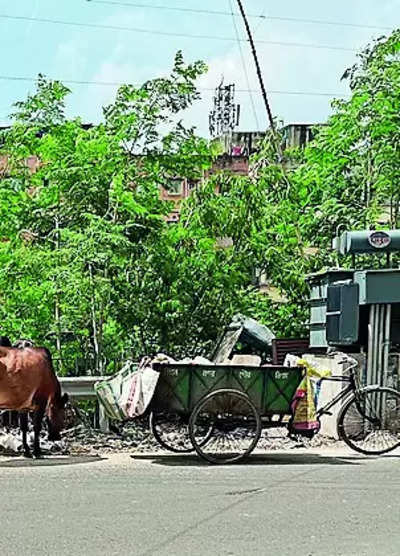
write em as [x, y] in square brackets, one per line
[236, 14]
[167, 8]
[205, 89]
[327, 22]
[259, 73]
[253, 106]
[80, 24]
[230, 13]
[264, 17]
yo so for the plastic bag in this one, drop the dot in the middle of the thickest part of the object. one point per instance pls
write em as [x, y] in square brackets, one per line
[142, 389]
[128, 393]
[113, 391]
[10, 442]
[304, 405]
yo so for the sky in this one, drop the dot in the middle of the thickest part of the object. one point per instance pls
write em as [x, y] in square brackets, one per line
[80, 53]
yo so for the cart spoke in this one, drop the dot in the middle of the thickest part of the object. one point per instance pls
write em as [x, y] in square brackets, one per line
[171, 432]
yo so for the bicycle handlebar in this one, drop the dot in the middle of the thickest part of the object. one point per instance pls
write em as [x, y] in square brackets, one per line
[354, 362]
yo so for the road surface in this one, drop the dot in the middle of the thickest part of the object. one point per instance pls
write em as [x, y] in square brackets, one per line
[296, 503]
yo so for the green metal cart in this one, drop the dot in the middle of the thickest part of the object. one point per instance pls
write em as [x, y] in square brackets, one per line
[220, 410]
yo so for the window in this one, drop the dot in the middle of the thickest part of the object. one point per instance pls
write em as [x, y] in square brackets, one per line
[193, 184]
[175, 187]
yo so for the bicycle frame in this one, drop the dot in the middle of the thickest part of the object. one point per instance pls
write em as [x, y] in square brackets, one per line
[351, 388]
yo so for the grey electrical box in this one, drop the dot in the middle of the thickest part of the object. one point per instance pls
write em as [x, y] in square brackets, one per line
[342, 314]
[378, 286]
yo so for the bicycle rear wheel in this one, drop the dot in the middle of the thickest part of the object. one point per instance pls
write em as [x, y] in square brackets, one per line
[369, 422]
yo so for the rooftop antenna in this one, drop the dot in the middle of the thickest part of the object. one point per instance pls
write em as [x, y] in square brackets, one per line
[224, 116]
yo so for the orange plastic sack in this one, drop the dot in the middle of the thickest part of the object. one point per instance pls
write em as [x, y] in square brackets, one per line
[304, 404]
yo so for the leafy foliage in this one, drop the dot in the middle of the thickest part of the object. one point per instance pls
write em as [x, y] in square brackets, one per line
[88, 263]
[76, 230]
[347, 178]
[352, 169]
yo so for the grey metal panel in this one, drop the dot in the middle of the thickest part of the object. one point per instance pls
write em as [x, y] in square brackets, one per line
[318, 312]
[378, 286]
[342, 316]
[319, 284]
[349, 323]
[329, 276]
[318, 338]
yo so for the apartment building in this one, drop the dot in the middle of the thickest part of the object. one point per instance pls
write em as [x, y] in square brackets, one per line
[237, 148]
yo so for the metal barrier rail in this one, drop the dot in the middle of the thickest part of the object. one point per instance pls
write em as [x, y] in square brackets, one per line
[82, 388]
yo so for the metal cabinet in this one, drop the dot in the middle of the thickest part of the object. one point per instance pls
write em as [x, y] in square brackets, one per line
[319, 284]
[342, 314]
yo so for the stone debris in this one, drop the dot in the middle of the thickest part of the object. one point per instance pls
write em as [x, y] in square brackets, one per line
[250, 360]
[134, 437]
[9, 442]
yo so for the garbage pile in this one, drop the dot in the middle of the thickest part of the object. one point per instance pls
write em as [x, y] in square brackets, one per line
[136, 438]
[11, 443]
[133, 437]
[126, 395]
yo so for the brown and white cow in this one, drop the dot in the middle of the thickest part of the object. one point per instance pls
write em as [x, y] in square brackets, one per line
[28, 384]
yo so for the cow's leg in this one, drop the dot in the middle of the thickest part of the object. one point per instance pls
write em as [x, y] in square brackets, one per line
[23, 423]
[37, 427]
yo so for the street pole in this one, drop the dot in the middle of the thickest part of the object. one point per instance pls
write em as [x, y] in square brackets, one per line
[258, 69]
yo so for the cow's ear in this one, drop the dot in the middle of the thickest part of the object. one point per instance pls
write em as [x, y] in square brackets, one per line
[64, 399]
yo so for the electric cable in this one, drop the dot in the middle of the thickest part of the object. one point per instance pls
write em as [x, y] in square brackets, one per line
[236, 14]
[253, 106]
[167, 33]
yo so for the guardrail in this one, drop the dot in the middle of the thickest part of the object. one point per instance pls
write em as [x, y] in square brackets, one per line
[82, 388]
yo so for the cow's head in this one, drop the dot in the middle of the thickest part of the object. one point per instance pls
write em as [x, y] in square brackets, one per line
[56, 417]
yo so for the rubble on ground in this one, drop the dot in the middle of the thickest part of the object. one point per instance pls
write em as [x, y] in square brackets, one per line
[11, 443]
[134, 437]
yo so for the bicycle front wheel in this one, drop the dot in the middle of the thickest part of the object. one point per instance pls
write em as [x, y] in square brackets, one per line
[369, 422]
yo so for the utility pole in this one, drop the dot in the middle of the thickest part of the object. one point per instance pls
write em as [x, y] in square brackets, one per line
[57, 300]
[258, 69]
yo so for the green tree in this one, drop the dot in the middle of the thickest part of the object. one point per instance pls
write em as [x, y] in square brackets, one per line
[347, 178]
[351, 170]
[89, 262]
[75, 230]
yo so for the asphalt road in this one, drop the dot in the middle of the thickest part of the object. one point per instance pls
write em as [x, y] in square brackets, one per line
[296, 504]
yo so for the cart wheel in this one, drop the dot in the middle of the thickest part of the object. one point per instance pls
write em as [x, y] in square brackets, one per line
[234, 422]
[370, 421]
[171, 432]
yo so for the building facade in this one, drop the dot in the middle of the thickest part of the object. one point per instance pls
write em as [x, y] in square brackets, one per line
[237, 148]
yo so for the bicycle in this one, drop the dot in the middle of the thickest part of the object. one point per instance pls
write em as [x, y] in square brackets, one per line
[369, 421]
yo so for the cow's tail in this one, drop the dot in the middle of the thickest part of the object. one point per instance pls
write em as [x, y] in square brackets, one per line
[49, 358]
